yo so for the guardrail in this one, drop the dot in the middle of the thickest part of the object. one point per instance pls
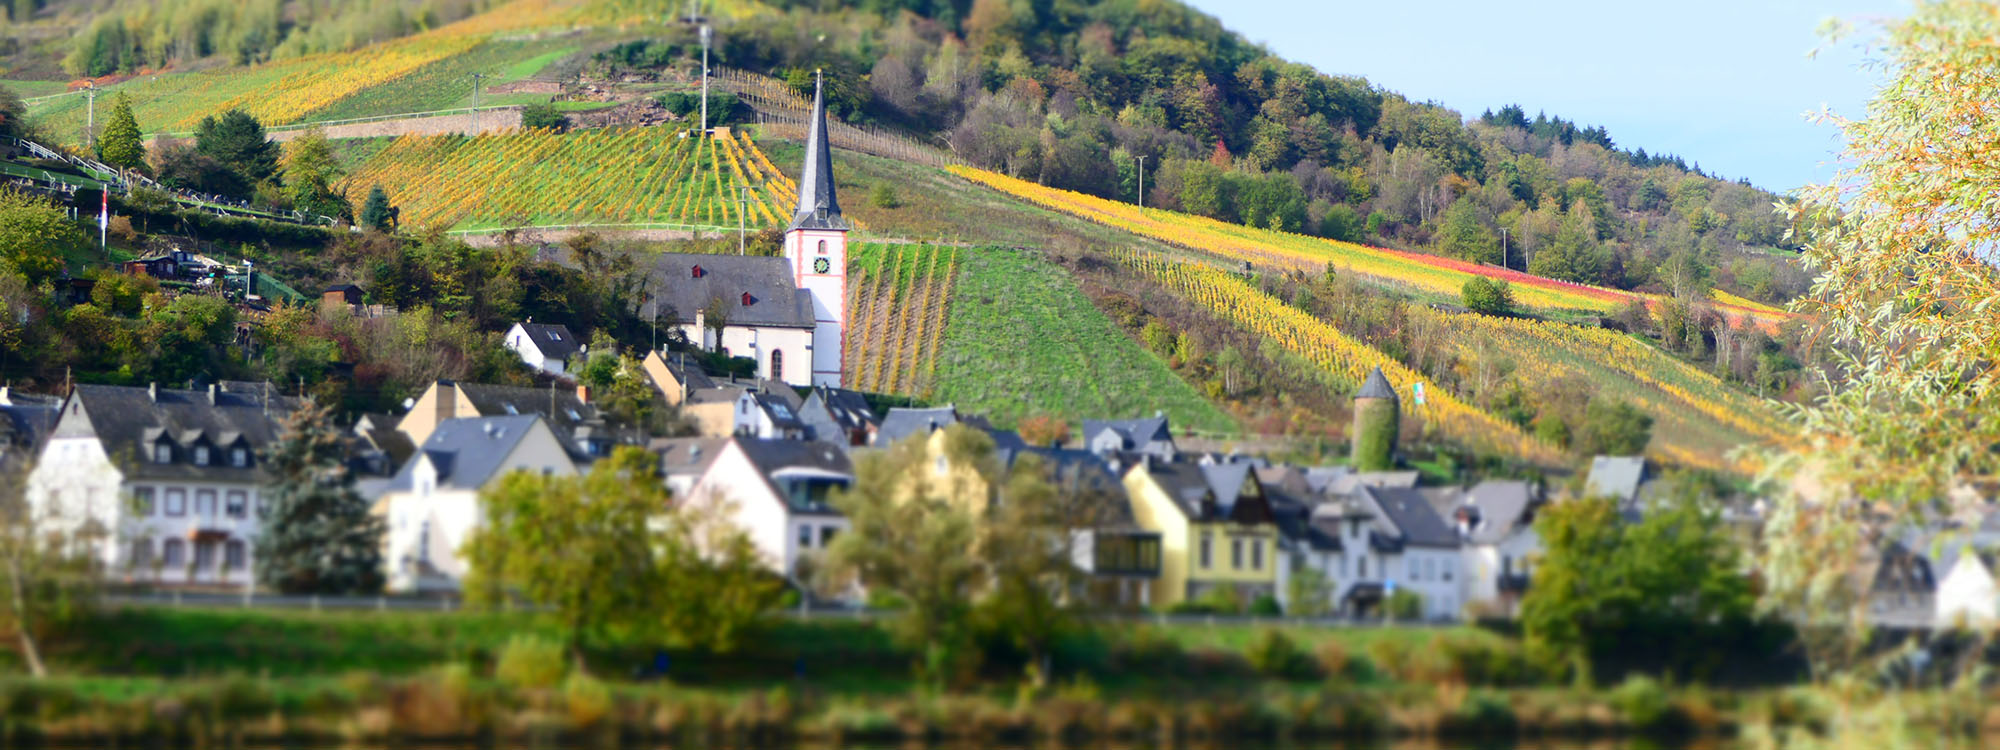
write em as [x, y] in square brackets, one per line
[588, 226]
[355, 120]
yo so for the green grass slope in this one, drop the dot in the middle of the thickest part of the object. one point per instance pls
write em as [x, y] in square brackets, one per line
[1023, 340]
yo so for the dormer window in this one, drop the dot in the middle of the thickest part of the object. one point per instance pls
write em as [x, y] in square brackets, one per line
[201, 455]
[163, 453]
[554, 336]
[239, 457]
[748, 300]
[698, 273]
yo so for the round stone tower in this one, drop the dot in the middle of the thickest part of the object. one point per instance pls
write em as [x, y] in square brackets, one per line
[1376, 421]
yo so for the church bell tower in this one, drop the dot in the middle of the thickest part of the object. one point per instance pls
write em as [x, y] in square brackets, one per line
[816, 247]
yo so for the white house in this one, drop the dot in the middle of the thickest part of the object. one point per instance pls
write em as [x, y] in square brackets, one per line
[776, 491]
[170, 478]
[755, 411]
[1495, 520]
[432, 506]
[1390, 539]
[1967, 595]
[1149, 435]
[549, 348]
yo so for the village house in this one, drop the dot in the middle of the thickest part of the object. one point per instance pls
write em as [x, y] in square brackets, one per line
[764, 410]
[172, 477]
[838, 416]
[548, 348]
[1390, 539]
[1149, 435]
[776, 491]
[1215, 525]
[675, 375]
[584, 431]
[1495, 521]
[432, 506]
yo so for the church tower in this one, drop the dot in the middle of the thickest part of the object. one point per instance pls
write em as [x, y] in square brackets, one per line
[816, 246]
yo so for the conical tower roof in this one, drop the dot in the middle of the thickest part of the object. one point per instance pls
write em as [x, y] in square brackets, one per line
[818, 209]
[1376, 386]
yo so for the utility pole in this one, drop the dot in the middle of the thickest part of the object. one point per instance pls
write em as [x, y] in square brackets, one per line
[476, 80]
[1503, 247]
[90, 121]
[707, 33]
[1142, 184]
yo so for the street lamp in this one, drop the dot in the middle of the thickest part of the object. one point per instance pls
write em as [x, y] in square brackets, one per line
[1503, 247]
[1142, 183]
[707, 33]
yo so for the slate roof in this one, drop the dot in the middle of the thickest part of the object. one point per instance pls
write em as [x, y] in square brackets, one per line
[818, 209]
[683, 369]
[783, 392]
[554, 341]
[782, 415]
[1502, 505]
[1899, 570]
[772, 457]
[1132, 433]
[1412, 519]
[688, 456]
[1616, 477]
[467, 451]
[1350, 483]
[126, 420]
[560, 406]
[775, 299]
[1297, 523]
[1207, 492]
[902, 422]
[849, 409]
[26, 420]
[1377, 386]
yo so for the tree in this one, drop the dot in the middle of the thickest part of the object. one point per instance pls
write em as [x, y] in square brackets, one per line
[120, 145]
[376, 213]
[36, 238]
[1685, 275]
[1043, 429]
[1601, 582]
[185, 167]
[310, 169]
[718, 593]
[1574, 255]
[543, 117]
[1614, 428]
[909, 535]
[1484, 295]
[45, 554]
[13, 114]
[578, 547]
[1341, 223]
[1309, 593]
[1462, 235]
[319, 536]
[239, 142]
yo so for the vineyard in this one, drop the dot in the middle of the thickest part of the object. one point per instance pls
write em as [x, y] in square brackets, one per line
[543, 178]
[1417, 271]
[900, 296]
[1236, 301]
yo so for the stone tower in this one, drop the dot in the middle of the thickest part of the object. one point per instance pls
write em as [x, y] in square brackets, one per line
[816, 246]
[1376, 421]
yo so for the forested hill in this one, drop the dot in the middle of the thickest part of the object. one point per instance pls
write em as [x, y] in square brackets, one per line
[1073, 94]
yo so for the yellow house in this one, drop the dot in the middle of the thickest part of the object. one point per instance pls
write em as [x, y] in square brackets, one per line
[1215, 526]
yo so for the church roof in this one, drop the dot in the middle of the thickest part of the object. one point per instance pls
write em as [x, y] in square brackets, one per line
[817, 207]
[1377, 386]
[756, 290]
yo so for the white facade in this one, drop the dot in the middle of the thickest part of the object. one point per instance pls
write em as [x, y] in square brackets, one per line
[782, 354]
[1968, 595]
[819, 266]
[1435, 574]
[524, 345]
[1485, 565]
[429, 519]
[752, 502]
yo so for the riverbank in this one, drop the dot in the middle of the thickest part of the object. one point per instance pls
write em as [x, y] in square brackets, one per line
[216, 677]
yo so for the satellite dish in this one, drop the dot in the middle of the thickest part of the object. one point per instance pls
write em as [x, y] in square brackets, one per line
[409, 402]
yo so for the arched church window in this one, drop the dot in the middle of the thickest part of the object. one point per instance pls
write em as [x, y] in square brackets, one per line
[778, 365]
[822, 247]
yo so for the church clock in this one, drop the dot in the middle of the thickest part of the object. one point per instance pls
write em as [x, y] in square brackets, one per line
[822, 265]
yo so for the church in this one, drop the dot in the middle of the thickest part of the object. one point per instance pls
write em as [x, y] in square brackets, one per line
[788, 313]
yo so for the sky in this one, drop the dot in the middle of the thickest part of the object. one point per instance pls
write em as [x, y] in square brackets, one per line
[1726, 84]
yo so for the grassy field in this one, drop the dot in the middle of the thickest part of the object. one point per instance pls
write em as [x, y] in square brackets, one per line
[447, 83]
[645, 175]
[1022, 340]
[27, 89]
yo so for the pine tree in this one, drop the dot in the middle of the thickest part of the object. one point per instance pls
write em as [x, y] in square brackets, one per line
[375, 211]
[318, 536]
[120, 146]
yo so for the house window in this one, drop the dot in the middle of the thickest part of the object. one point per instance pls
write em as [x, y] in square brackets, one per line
[777, 365]
[163, 454]
[177, 500]
[826, 535]
[1430, 569]
[554, 336]
[235, 503]
[204, 503]
[239, 457]
[805, 537]
[142, 553]
[1506, 565]
[233, 554]
[175, 553]
[1447, 569]
[1236, 554]
[1362, 568]
[1257, 554]
[1413, 570]
[1206, 553]
[263, 506]
[204, 555]
[142, 501]
[201, 455]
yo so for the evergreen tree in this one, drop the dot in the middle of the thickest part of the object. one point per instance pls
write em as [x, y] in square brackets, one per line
[310, 171]
[120, 145]
[1574, 255]
[236, 139]
[1463, 235]
[375, 211]
[319, 536]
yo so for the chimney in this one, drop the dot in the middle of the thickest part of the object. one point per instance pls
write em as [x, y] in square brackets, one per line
[447, 401]
[583, 393]
[153, 392]
[213, 391]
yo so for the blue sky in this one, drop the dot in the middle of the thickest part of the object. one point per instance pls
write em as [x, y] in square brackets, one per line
[1724, 84]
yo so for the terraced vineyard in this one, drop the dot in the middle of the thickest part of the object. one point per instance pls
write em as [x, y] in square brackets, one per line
[899, 297]
[541, 178]
[1417, 271]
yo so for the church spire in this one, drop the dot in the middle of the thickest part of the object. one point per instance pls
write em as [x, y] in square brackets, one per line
[817, 207]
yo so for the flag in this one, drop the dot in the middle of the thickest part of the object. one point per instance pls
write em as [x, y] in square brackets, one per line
[1419, 389]
[104, 209]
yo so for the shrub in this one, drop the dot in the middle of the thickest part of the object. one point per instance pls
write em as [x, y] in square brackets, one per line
[883, 195]
[587, 700]
[543, 116]
[529, 661]
[1483, 295]
[1404, 605]
[1644, 703]
[1266, 606]
[1273, 654]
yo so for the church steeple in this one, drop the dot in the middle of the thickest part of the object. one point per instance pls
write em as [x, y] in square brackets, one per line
[817, 207]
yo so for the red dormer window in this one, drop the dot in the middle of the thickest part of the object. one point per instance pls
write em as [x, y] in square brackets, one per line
[748, 300]
[698, 273]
